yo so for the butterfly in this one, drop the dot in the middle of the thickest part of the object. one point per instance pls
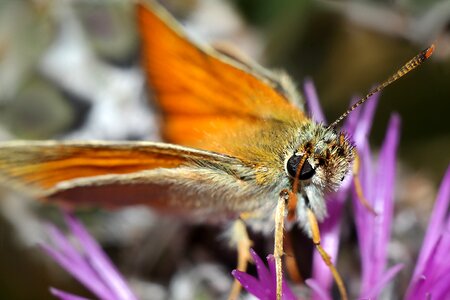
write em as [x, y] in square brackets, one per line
[240, 147]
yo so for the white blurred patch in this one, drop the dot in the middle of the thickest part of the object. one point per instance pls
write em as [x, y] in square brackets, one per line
[29, 230]
[217, 21]
[188, 283]
[147, 290]
[119, 107]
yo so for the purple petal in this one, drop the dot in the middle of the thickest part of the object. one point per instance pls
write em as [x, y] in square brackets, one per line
[263, 273]
[265, 287]
[438, 264]
[272, 271]
[99, 261]
[64, 295]
[374, 232]
[435, 224]
[441, 288]
[312, 102]
[364, 219]
[85, 265]
[432, 261]
[384, 201]
[352, 120]
[436, 267]
[81, 272]
[425, 279]
[66, 248]
[442, 263]
[388, 276]
[366, 119]
[367, 170]
[251, 284]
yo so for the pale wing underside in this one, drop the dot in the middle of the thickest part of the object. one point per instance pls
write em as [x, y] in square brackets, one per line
[202, 190]
[118, 174]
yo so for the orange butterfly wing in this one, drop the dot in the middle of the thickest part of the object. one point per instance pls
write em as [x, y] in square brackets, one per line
[205, 96]
[45, 164]
[112, 174]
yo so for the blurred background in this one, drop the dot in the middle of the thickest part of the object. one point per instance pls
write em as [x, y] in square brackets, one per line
[70, 70]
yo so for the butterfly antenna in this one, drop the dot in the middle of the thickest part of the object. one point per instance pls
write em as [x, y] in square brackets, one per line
[409, 66]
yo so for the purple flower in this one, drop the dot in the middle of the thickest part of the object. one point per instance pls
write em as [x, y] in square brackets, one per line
[87, 263]
[357, 125]
[377, 179]
[431, 278]
[373, 231]
[263, 287]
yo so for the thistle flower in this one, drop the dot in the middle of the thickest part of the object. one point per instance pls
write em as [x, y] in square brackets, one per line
[373, 231]
[89, 265]
[378, 188]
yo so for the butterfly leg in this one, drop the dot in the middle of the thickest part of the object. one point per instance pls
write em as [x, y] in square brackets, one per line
[326, 258]
[278, 246]
[243, 243]
[358, 187]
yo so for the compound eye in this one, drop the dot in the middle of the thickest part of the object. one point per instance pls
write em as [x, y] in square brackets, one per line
[307, 171]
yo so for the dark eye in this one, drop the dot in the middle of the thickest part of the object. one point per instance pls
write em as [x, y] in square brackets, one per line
[307, 171]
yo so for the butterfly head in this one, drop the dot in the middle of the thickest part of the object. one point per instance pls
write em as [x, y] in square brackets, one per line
[319, 163]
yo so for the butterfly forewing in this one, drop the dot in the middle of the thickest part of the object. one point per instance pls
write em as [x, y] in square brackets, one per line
[205, 96]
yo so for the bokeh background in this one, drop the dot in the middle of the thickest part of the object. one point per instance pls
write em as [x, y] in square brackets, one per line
[70, 70]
